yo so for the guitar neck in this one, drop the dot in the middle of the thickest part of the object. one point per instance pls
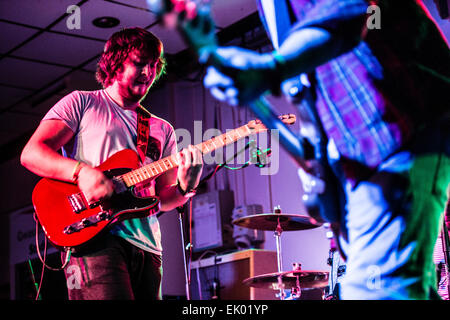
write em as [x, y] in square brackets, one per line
[156, 168]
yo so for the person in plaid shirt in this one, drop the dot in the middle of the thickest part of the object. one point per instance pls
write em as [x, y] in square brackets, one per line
[380, 96]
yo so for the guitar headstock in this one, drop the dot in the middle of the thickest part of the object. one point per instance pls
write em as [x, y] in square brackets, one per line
[257, 126]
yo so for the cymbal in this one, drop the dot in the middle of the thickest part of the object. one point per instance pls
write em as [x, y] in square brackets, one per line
[269, 222]
[306, 279]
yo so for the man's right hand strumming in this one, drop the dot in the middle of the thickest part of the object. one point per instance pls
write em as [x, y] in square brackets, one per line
[94, 184]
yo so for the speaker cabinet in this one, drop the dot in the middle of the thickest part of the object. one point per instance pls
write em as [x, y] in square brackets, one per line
[212, 228]
[221, 276]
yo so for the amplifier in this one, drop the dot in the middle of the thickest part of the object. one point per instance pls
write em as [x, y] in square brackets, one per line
[211, 221]
[246, 238]
[221, 276]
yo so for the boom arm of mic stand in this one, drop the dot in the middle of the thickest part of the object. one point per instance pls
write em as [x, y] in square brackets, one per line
[209, 176]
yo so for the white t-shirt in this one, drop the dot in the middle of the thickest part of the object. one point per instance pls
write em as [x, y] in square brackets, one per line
[102, 128]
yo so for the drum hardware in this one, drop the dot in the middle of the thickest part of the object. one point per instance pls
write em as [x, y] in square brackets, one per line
[279, 222]
[270, 221]
[308, 279]
[295, 289]
[296, 280]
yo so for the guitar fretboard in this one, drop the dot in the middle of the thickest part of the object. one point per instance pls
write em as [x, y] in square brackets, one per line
[156, 168]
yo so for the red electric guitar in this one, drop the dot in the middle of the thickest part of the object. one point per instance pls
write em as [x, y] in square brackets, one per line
[67, 219]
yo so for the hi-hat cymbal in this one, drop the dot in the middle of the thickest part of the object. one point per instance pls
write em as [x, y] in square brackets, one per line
[270, 221]
[306, 280]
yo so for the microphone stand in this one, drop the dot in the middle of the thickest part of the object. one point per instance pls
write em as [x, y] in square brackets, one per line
[182, 209]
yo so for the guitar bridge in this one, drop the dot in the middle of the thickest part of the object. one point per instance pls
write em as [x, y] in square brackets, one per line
[77, 203]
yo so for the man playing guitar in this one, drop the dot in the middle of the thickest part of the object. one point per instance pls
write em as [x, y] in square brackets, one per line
[90, 127]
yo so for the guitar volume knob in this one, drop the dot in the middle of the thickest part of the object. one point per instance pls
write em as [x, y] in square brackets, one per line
[85, 222]
[102, 215]
[69, 230]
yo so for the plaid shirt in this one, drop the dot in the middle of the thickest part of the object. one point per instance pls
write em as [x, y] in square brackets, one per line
[371, 98]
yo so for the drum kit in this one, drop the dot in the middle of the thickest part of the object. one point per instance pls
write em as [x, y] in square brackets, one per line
[297, 279]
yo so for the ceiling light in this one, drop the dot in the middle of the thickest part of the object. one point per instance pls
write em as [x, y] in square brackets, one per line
[105, 22]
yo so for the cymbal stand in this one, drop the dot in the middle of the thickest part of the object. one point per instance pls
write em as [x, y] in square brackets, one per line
[296, 291]
[277, 235]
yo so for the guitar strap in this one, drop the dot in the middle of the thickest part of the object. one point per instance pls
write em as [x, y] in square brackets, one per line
[143, 132]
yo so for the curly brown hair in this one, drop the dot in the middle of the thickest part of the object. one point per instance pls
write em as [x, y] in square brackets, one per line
[120, 44]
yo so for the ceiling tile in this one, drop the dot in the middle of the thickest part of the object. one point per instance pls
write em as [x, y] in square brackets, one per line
[171, 39]
[61, 49]
[38, 13]
[12, 35]
[135, 3]
[17, 123]
[129, 17]
[227, 12]
[91, 66]
[6, 137]
[28, 74]
[11, 95]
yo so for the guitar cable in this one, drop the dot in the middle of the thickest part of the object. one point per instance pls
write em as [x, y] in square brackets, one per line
[44, 265]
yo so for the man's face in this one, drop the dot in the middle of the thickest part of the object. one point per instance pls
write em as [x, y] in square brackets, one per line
[136, 76]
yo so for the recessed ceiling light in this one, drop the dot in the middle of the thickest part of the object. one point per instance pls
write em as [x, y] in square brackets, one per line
[105, 22]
